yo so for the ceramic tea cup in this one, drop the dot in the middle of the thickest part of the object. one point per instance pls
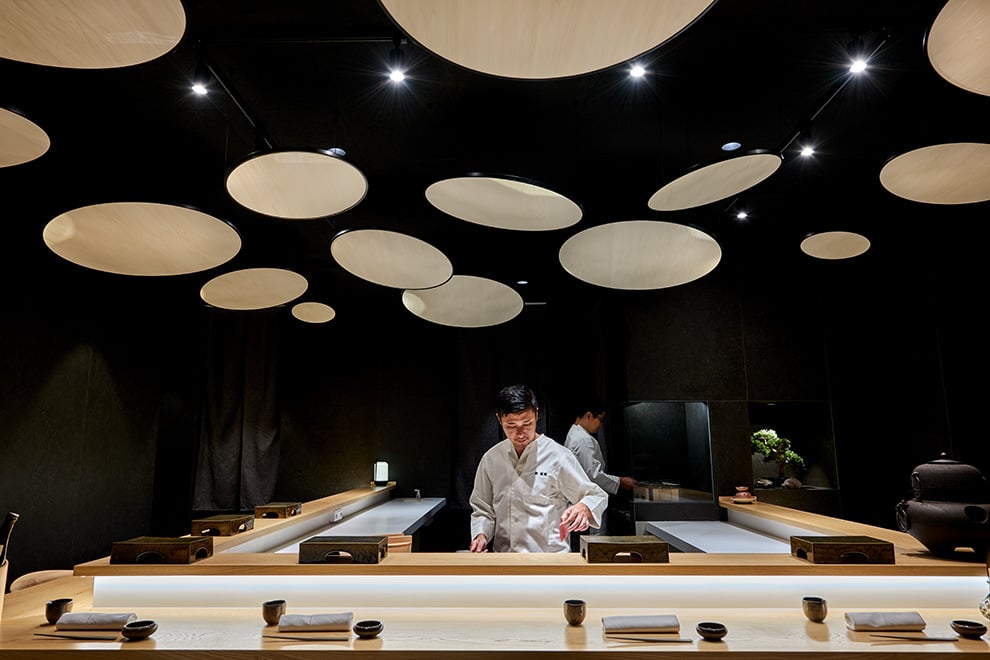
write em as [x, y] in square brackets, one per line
[815, 608]
[56, 608]
[272, 611]
[575, 611]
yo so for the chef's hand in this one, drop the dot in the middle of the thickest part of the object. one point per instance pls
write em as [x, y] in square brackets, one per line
[576, 517]
[479, 544]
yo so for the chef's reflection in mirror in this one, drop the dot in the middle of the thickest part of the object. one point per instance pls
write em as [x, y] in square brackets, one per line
[588, 418]
[524, 483]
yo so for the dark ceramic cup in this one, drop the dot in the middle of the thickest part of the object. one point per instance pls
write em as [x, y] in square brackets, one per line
[56, 608]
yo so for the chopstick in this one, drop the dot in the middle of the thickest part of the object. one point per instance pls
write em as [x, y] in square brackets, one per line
[303, 638]
[74, 636]
[918, 639]
[624, 638]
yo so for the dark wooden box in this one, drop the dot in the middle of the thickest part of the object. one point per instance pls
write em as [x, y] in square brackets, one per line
[624, 550]
[161, 550]
[278, 510]
[222, 525]
[842, 549]
[343, 550]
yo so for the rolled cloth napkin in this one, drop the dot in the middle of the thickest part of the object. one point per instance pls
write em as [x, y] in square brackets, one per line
[884, 621]
[315, 622]
[93, 621]
[641, 623]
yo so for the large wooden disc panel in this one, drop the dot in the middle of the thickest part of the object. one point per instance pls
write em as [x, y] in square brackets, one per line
[465, 301]
[503, 203]
[541, 39]
[21, 140]
[138, 238]
[640, 254]
[297, 185]
[89, 34]
[253, 288]
[953, 173]
[714, 182]
[391, 259]
[835, 245]
[957, 44]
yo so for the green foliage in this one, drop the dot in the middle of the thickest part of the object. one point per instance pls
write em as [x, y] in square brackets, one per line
[775, 449]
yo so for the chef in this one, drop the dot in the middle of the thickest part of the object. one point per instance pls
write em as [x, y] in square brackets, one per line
[524, 483]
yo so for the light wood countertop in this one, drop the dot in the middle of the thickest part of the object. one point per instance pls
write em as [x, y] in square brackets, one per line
[235, 633]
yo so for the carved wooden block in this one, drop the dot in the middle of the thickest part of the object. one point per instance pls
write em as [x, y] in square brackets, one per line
[278, 510]
[222, 525]
[343, 550]
[161, 550]
[842, 549]
[624, 550]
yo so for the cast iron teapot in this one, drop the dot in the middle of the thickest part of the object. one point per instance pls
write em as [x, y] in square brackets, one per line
[950, 509]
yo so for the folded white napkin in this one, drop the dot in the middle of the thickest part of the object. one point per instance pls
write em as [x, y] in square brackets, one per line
[93, 621]
[884, 621]
[641, 623]
[315, 622]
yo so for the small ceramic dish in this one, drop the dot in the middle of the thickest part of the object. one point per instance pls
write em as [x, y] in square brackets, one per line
[969, 629]
[369, 628]
[712, 631]
[138, 630]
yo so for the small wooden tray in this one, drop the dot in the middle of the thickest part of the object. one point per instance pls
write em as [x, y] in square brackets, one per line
[842, 549]
[222, 525]
[624, 550]
[278, 510]
[161, 550]
[343, 550]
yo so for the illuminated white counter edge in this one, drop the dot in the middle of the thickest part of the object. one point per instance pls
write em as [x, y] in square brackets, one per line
[650, 591]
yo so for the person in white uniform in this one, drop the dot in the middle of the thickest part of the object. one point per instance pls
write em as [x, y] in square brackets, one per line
[524, 483]
[582, 442]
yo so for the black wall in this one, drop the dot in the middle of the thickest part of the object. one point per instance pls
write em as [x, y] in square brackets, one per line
[101, 383]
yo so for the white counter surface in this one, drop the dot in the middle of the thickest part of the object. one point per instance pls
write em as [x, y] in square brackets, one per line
[402, 515]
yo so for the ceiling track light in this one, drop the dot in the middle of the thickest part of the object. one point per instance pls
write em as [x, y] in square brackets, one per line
[396, 61]
[838, 87]
[201, 77]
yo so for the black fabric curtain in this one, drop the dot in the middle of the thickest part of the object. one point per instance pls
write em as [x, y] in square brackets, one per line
[237, 468]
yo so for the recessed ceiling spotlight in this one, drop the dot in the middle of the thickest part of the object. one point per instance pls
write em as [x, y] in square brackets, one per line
[637, 71]
[730, 146]
[336, 151]
[807, 150]
[741, 215]
[858, 66]
[522, 281]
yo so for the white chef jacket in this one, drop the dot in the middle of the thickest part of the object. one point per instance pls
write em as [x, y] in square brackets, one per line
[589, 455]
[517, 501]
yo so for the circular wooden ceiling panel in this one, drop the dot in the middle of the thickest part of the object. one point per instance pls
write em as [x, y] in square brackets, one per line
[89, 34]
[539, 39]
[954, 44]
[465, 301]
[835, 245]
[297, 185]
[391, 259]
[714, 182]
[253, 288]
[21, 140]
[954, 173]
[313, 312]
[503, 203]
[640, 254]
[138, 238]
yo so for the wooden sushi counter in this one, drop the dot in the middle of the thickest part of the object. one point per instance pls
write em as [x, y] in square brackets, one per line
[462, 605]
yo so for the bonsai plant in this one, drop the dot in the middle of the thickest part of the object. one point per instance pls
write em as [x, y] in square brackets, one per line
[775, 449]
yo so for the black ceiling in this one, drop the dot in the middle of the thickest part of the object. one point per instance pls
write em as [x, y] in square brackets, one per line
[311, 74]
